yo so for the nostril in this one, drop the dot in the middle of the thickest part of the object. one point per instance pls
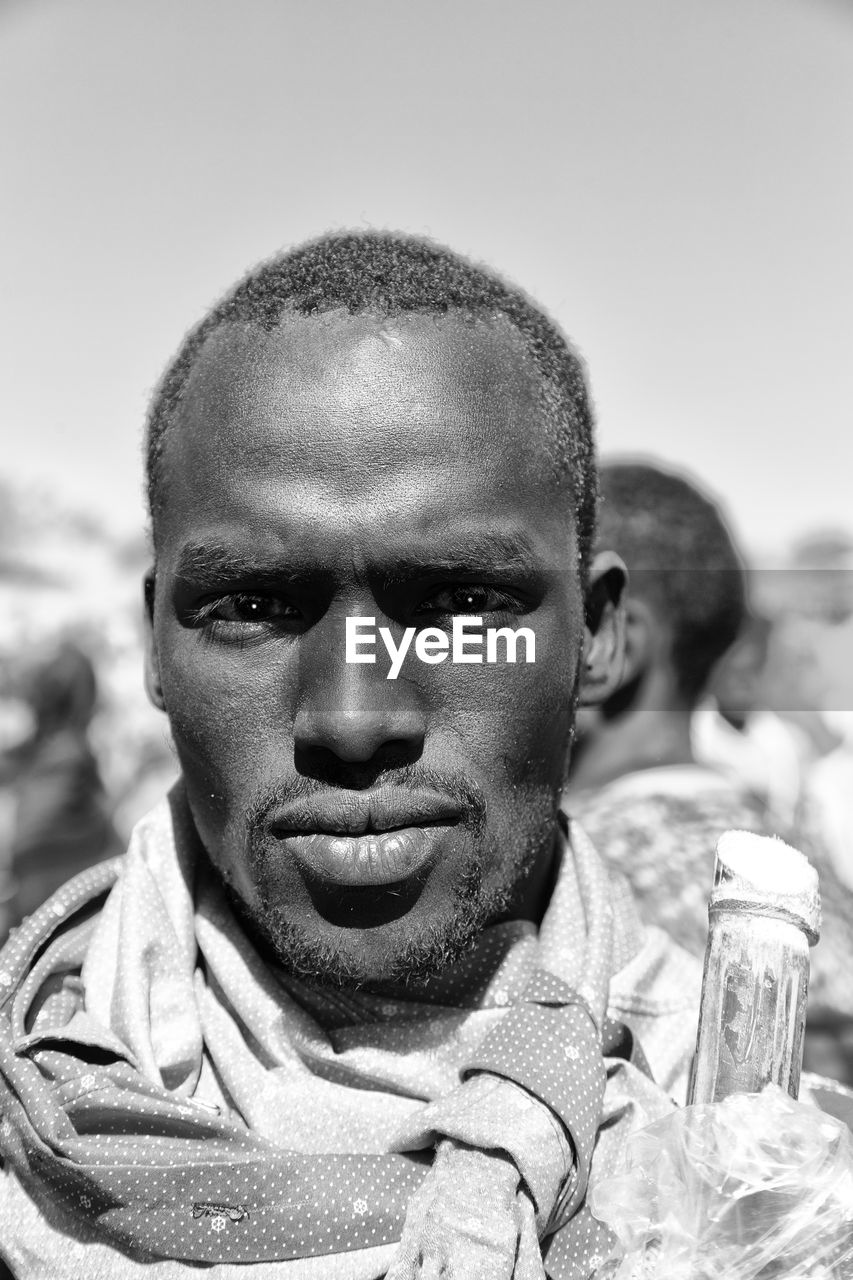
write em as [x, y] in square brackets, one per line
[358, 736]
[358, 774]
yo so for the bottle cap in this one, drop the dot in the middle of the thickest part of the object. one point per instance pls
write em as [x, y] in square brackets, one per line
[763, 874]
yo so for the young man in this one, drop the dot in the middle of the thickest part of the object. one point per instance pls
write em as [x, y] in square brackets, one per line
[356, 1000]
[653, 809]
[635, 784]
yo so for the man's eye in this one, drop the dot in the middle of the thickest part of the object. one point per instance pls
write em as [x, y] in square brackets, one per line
[466, 598]
[243, 608]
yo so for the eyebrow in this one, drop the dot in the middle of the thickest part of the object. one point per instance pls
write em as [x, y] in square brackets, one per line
[498, 553]
[210, 564]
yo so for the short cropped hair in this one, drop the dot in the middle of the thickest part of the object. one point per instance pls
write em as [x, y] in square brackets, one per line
[681, 561]
[389, 274]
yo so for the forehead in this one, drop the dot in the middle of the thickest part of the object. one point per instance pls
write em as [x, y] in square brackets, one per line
[362, 422]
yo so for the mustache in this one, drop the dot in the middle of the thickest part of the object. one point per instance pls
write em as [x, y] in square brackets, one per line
[312, 793]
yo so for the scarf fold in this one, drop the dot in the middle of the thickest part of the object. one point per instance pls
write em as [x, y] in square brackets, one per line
[163, 1081]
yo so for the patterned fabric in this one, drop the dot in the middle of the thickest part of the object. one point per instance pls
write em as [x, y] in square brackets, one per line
[659, 828]
[168, 1093]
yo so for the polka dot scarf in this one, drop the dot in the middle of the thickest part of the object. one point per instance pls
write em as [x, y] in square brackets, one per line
[161, 1080]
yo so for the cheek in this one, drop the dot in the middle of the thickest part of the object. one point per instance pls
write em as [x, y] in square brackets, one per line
[224, 717]
[512, 721]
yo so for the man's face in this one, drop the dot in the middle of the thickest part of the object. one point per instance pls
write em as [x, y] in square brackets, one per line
[343, 466]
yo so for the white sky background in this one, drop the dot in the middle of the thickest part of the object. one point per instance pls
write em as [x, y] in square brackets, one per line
[673, 179]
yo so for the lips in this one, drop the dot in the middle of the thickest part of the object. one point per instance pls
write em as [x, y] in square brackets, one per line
[358, 838]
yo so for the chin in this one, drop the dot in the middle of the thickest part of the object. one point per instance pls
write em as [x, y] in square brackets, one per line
[406, 952]
[399, 935]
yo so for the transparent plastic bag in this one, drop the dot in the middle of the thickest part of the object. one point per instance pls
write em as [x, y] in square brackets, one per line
[754, 1187]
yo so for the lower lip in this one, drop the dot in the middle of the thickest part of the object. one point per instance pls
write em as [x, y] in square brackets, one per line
[377, 859]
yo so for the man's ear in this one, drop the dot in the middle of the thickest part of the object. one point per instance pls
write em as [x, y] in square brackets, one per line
[604, 635]
[153, 686]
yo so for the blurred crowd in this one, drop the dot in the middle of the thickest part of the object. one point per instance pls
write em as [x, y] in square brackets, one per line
[735, 710]
[82, 753]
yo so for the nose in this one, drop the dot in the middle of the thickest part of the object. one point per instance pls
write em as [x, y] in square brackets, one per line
[351, 709]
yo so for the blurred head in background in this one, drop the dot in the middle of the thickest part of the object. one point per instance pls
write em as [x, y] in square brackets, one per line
[61, 689]
[62, 822]
[823, 566]
[686, 605]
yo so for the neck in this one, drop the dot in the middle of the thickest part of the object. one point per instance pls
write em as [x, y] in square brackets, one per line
[532, 896]
[652, 731]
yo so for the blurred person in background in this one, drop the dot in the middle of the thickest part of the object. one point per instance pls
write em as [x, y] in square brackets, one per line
[826, 809]
[16, 727]
[735, 731]
[636, 785]
[818, 623]
[822, 613]
[62, 821]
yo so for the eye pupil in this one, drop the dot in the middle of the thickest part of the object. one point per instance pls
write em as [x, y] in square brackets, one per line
[253, 608]
[475, 600]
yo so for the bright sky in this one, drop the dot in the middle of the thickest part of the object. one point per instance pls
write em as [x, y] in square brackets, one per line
[673, 179]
